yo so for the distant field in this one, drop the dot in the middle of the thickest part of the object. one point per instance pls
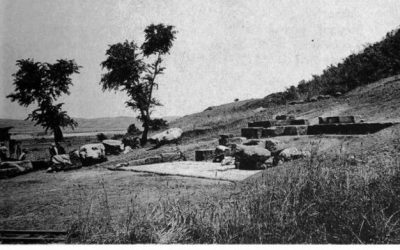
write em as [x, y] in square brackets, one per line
[84, 125]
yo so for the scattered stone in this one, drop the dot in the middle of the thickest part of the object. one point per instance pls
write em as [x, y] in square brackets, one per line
[92, 153]
[323, 97]
[113, 147]
[173, 156]
[223, 139]
[204, 154]
[269, 163]
[172, 135]
[12, 168]
[220, 153]
[255, 142]
[127, 149]
[228, 160]
[273, 145]
[292, 153]
[251, 157]
[235, 140]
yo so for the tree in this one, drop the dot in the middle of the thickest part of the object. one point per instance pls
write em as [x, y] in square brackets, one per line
[43, 83]
[128, 70]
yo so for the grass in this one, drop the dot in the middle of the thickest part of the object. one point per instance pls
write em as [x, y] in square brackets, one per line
[324, 199]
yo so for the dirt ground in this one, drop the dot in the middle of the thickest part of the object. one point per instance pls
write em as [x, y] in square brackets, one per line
[41, 200]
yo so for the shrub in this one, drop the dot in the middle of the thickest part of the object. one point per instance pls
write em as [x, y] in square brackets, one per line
[157, 124]
[101, 137]
[133, 130]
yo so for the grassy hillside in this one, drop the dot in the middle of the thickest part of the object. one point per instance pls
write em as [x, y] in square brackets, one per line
[374, 102]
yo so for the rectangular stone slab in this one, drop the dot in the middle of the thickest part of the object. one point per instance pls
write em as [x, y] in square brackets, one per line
[262, 124]
[275, 123]
[348, 129]
[336, 119]
[252, 133]
[205, 170]
[204, 154]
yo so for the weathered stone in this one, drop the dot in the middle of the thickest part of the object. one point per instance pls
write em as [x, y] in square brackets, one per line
[204, 154]
[92, 153]
[281, 117]
[12, 168]
[292, 153]
[298, 122]
[235, 140]
[255, 142]
[224, 138]
[228, 160]
[113, 146]
[172, 135]
[273, 145]
[262, 124]
[273, 131]
[254, 132]
[323, 97]
[251, 157]
[269, 163]
[336, 119]
[301, 130]
[348, 129]
[222, 150]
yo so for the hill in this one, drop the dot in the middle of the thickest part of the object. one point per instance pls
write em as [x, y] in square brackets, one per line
[376, 101]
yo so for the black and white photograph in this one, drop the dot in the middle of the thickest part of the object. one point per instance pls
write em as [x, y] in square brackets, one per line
[212, 123]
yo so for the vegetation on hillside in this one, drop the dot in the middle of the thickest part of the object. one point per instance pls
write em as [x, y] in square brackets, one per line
[374, 62]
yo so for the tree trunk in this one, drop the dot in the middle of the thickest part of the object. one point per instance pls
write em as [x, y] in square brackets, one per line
[58, 135]
[143, 141]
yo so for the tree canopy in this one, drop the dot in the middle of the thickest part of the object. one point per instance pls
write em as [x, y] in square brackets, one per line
[134, 69]
[41, 84]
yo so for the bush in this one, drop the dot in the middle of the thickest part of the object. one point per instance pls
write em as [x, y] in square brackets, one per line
[157, 124]
[133, 130]
[117, 136]
[101, 137]
[376, 61]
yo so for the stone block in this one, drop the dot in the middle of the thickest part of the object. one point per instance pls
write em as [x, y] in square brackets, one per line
[252, 133]
[251, 157]
[262, 124]
[347, 129]
[235, 140]
[336, 119]
[204, 155]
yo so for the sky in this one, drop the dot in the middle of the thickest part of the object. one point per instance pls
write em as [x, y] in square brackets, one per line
[223, 49]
